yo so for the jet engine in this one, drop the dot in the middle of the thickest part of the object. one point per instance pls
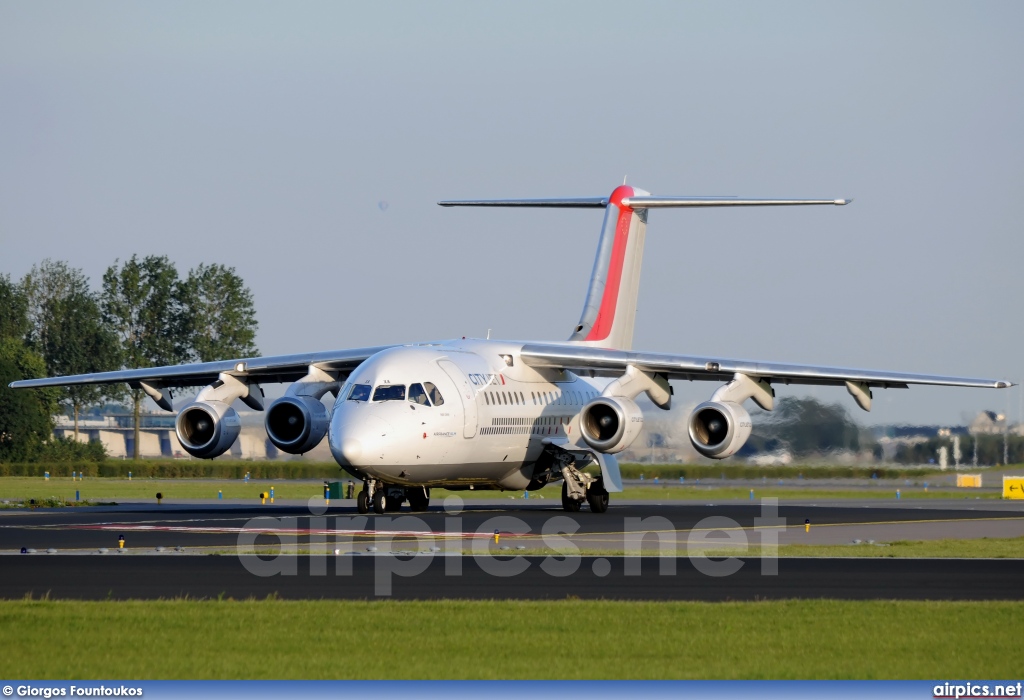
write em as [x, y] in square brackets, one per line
[609, 424]
[718, 429]
[206, 429]
[297, 424]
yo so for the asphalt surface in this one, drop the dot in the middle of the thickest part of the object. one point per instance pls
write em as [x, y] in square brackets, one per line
[426, 577]
[206, 550]
[206, 527]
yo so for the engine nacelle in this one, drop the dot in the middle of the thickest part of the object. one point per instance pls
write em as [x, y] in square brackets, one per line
[297, 424]
[206, 429]
[718, 429]
[610, 424]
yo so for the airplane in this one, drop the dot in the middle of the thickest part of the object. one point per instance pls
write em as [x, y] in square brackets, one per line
[494, 414]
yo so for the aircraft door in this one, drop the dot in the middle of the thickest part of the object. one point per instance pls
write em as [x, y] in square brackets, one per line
[467, 393]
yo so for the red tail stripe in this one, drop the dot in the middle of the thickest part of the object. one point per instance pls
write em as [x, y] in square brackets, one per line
[602, 327]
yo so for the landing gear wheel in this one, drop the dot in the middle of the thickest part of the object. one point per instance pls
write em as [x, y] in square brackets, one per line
[569, 505]
[597, 497]
[380, 501]
[363, 502]
[419, 499]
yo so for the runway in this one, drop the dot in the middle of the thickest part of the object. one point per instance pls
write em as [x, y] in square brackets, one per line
[206, 527]
[537, 578]
[204, 550]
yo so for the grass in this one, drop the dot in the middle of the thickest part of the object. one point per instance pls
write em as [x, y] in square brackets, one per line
[508, 639]
[102, 489]
[109, 489]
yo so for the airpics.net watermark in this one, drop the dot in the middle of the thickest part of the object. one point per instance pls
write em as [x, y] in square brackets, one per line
[405, 545]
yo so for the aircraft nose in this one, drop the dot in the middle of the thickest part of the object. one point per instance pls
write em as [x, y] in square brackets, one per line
[358, 441]
[351, 450]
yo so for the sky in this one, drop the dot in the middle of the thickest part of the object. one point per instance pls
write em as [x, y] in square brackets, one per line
[306, 144]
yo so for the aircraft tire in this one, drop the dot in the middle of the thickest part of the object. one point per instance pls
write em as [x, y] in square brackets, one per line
[380, 502]
[363, 502]
[597, 497]
[418, 500]
[568, 504]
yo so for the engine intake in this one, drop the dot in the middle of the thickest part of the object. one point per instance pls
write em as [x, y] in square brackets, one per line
[719, 429]
[207, 429]
[297, 424]
[610, 424]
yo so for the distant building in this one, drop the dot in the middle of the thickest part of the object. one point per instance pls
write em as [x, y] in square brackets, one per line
[158, 439]
[988, 423]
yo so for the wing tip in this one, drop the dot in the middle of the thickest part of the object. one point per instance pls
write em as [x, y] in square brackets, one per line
[843, 202]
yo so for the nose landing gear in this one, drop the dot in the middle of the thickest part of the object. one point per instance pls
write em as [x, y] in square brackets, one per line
[384, 498]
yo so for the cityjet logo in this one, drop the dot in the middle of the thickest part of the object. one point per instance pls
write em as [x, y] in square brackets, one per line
[486, 379]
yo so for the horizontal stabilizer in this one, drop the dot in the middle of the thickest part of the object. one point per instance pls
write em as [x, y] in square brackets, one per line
[658, 202]
[570, 203]
[648, 202]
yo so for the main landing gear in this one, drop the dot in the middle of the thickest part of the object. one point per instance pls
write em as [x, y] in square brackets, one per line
[578, 486]
[384, 498]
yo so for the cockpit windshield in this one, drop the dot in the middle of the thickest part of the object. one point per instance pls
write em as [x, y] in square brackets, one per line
[360, 392]
[417, 395]
[389, 392]
[435, 396]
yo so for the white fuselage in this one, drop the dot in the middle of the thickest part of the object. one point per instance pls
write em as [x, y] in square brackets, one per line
[488, 429]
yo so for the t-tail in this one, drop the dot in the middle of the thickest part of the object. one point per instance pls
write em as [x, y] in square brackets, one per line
[610, 309]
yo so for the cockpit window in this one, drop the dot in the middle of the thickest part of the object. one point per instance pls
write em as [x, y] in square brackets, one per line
[434, 394]
[389, 392]
[417, 395]
[360, 392]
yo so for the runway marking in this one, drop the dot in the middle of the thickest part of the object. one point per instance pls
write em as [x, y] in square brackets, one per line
[291, 531]
[155, 526]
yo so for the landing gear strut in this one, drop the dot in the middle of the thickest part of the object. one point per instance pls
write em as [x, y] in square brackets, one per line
[384, 498]
[578, 487]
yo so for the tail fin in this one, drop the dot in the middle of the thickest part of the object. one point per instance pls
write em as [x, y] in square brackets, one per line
[609, 312]
[610, 309]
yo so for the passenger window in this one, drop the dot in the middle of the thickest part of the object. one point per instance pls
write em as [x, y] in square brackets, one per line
[417, 395]
[434, 394]
[360, 392]
[389, 392]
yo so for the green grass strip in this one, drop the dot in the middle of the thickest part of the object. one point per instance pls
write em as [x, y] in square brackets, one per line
[16, 488]
[570, 639]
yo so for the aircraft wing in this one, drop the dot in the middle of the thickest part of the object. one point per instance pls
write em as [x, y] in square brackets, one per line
[592, 361]
[278, 368]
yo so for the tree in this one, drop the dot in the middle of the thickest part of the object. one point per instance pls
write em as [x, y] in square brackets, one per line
[26, 417]
[141, 303]
[806, 426]
[13, 309]
[66, 327]
[219, 313]
[79, 342]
